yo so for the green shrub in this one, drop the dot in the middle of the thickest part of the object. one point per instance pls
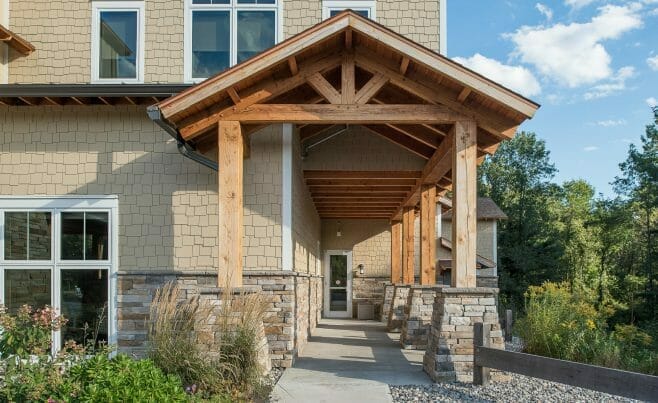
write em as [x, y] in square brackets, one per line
[567, 326]
[174, 328]
[29, 331]
[123, 379]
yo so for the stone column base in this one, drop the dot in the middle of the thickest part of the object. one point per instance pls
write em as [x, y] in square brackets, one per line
[417, 321]
[399, 301]
[449, 354]
[388, 297]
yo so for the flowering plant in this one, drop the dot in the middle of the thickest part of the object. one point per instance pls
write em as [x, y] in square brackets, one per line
[29, 332]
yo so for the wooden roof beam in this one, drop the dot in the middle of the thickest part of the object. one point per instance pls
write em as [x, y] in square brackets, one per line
[292, 65]
[404, 65]
[322, 174]
[370, 89]
[463, 95]
[324, 88]
[270, 89]
[361, 182]
[234, 95]
[342, 114]
[487, 120]
[435, 169]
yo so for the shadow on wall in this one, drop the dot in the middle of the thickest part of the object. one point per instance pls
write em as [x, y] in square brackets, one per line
[167, 203]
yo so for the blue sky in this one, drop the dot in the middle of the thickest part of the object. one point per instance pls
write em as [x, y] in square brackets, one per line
[591, 64]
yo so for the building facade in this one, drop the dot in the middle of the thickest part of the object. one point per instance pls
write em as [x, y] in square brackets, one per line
[98, 208]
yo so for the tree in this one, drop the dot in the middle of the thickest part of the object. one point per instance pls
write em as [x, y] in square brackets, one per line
[639, 184]
[518, 178]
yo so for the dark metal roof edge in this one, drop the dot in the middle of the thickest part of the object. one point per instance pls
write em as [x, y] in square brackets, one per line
[90, 90]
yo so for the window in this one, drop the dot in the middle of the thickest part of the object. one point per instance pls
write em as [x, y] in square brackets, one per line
[117, 41]
[61, 252]
[222, 33]
[366, 8]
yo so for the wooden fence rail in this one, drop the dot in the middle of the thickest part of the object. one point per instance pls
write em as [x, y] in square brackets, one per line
[607, 380]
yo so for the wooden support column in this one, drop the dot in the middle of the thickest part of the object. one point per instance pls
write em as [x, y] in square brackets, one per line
[396, 252]
[230, 162]
[428, 234]
[464, 200]
[408, 217]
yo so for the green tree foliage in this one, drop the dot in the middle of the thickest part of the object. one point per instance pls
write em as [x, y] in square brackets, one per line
[518, 179]
[604, 249]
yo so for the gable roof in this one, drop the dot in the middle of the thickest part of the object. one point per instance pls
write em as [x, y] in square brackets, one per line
[487, 209]
[497, 109]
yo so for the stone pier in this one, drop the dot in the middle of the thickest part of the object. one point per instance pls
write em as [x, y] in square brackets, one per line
[417, 322]
[398, 303]
[389, 289]
[449, 354]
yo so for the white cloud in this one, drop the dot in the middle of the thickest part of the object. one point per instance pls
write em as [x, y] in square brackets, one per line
[545, 11]
[590, 148]
[517, 78]
[653, 62]
[652, 102]
[611, 122]
[573, 54]
[576, 4]
[615, 84]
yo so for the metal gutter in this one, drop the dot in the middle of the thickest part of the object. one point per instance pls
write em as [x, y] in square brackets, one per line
[185, 149]
[91, 90]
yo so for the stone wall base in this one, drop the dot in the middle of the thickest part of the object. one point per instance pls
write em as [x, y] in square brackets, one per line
[389, 289]
[294, 306]
[398, 303]
[415, 329]
[449, 354]
[368, 290]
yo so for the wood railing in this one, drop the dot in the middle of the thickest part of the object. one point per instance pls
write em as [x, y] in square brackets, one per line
[607, 380]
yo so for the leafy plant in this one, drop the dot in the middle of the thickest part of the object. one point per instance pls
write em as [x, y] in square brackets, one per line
[29, 332]
[121, 379]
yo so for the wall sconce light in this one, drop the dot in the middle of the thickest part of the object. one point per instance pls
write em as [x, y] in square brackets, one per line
[361, 269]
[339, 232]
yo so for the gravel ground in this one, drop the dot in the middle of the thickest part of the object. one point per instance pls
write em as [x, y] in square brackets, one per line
[519, 389]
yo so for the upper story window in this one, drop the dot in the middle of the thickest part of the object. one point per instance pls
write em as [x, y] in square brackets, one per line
[366, 8]
[222, 33]
[117, 45]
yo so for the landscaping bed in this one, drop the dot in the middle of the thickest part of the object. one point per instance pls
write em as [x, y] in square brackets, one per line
[518, 389]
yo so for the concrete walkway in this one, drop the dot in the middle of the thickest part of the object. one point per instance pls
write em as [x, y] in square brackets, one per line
[350, 361]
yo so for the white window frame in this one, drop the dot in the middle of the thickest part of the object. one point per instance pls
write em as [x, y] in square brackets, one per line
[57, 205]
[233, 7]
[330, 5]
[119, 5]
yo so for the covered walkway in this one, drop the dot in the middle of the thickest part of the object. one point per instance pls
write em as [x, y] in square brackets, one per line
[350, 361]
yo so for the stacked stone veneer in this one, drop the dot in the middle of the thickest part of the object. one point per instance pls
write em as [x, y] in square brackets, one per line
[294, 306]
[389, 289]
[398, 304]
[449, 354]
[210, 334]
[368, 290]
[415, 329]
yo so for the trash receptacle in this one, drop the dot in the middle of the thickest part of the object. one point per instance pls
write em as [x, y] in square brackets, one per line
[365, 311]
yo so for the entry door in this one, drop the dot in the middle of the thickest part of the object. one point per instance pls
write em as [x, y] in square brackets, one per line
[338, 284]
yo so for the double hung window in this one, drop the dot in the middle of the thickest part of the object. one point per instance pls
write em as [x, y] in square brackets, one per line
[117, 41]
[365, 8]
[222, 33]
[61, 252]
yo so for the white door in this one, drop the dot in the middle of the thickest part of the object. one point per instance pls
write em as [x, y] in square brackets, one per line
[338, 284]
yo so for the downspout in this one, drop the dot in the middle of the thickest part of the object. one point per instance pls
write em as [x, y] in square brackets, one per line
[185, 149]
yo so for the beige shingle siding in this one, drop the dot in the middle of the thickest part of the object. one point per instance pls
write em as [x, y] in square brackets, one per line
[305, 220]
[360, 149]
[61, 32]
[167, 203]
[164, 41]
[262, 201]
[299, 15]
[418, 20]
